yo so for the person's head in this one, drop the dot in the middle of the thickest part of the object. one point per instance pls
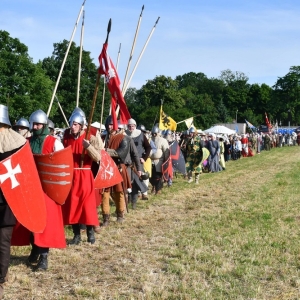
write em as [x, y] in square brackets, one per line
[76, 122]
[22, 124]
[51, 127]
[192, 131]
[131, 125]
[38, 121]
[155, 131]
[142, 128]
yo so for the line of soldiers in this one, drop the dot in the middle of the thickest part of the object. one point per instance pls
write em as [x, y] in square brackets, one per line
[135, 156]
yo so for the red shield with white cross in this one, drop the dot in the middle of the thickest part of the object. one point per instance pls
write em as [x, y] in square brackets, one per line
[108, 174]
[21, 187]
[56, 173]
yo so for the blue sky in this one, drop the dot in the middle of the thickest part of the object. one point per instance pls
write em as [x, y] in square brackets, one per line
[259, 38]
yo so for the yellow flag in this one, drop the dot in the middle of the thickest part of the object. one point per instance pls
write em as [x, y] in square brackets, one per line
[166, 122]
[189, 122]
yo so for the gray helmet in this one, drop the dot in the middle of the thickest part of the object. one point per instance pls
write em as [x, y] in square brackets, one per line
[142, 128]
[4, 119]
[168, 131]
[108, 121]
[79, 111]
[38, 117]
[131, 122]
[78, 118]
[23, 122]
[154, 130]
[50, 124]
[145, 175]
[192, 130]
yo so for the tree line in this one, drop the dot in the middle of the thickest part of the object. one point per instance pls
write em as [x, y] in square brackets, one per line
[26, 86]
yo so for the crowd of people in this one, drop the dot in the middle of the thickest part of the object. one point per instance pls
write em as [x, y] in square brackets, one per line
[141, 157]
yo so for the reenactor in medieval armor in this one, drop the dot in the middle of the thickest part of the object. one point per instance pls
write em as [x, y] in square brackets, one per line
[80, 207]
[159, 154]
[22, 127]
[144, 149]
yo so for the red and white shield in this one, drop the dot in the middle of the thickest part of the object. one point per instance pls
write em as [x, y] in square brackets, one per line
[56, 173]
[108, 174]
[21, 186]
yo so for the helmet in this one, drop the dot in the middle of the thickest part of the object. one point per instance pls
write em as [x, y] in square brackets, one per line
[131, 122]
[154, 130]
[142, 128]
[79, 111]
[168, 132]
[50, 124]
[192, 130]
[78, 118]
[108, 121]
[4, 119]
[23, 122]
[38, 117]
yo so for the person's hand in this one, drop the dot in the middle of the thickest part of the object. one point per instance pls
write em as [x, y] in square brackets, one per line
[142, 160]
[140, 173]
[85, 144]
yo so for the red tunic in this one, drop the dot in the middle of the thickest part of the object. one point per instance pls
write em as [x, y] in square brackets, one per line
[53, 235]
[80, 206]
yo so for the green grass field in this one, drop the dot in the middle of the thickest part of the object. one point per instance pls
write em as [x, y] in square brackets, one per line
[233, 236]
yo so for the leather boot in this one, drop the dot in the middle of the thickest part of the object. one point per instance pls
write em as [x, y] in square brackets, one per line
[43, 263]
[90, 234]
[33, 256]
[106, 218]
[120, 216]
[76, 240]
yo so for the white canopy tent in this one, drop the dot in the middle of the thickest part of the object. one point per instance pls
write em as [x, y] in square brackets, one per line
[97, 125]
[219, 129]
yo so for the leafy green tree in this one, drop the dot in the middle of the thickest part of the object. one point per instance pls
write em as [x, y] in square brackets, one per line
[24, 86]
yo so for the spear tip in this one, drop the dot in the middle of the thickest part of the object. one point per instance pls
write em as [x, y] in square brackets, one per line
[142, 11]
[157, 20]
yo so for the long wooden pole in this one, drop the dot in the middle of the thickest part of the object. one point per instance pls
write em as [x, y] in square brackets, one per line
[132, 50]
[141, 54]
[118, 58]
[80, 58]
[62, 111]
[94, 100]
[102, 107]
[65, 58]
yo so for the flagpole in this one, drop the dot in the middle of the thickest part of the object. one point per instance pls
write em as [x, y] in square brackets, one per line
[80, 57]
[118, 58]
[94, 99]
[102, 107]
[132, 50]
[141, 54]
[65, 58]
[62, 111]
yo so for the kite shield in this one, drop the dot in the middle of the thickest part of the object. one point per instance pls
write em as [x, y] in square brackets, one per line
[22, 189]
[56, 173]
[108, 173]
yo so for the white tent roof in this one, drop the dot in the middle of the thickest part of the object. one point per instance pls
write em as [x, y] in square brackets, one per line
[220, 129]
[97, 125]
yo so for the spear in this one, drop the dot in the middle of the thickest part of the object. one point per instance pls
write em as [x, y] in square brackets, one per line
[62, 111]
[79, 64]
[132, 50]
[141, 54]
[94, 99]
[65, 58]
[118, 58]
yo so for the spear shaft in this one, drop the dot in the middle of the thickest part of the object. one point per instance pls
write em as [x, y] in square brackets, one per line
[65, 58]
[94, 100]
[80, 57]
[132, 49]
